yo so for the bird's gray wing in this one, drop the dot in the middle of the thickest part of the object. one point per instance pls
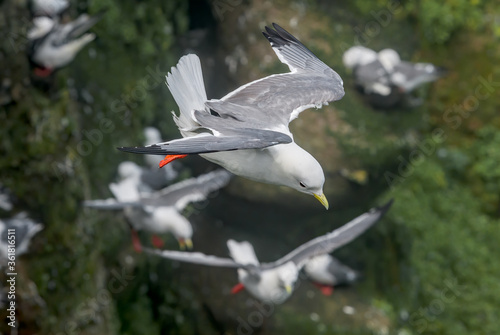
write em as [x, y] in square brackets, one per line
[195, 258]
[373, 77]
[189, 190]
[76, 28]
[110, 204]
[411, 75]
[245, 138]
[327, 243]
[280, 98]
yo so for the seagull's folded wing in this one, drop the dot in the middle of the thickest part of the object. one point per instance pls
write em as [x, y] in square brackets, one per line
[246, 138]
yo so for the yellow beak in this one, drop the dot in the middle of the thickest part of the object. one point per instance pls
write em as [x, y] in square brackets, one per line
[288, 289]
[185, 243]
[322, 199]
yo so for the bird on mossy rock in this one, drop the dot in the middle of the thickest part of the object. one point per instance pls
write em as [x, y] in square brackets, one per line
[384, 80]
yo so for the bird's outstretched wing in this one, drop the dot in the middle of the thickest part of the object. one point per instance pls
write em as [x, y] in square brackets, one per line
[327, 243]
[189, 190]
[281, 97]
[196, 258]
[110, 204]
[74, 29]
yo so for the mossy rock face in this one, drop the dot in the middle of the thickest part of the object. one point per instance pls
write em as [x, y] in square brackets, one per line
[57, 148]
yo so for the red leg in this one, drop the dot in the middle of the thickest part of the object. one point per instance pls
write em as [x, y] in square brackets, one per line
[157, 241]
[237, 288]
[325, 289]
[170, 158]
[136, 242]
[42, 72]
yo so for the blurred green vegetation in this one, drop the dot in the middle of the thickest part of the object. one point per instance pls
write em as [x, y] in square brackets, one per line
[436, 21]
[440, 235]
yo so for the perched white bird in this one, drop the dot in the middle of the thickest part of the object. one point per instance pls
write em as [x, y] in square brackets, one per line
[274, 281]
[16, 233]
[384, 79]
[54, 45]
[159, 212]
[247, 131]
[326, 272]
[51, 8]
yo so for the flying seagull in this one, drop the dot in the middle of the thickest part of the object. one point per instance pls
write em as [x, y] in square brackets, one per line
[247, 131]
[160, 212]
[17, 232]
[54, 45]
[274, 281]
[327, 272]
[384, 79]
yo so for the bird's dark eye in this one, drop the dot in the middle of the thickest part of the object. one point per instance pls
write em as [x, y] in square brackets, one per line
[302, 184]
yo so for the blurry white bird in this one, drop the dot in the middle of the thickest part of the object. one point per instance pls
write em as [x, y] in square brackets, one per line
[17, 232]
[54, 45]
[274, 281]
[146, 180]
[159, 212]
[152, 135]
[384, 79]
[326, 272]
[247, 131]
[51, 8]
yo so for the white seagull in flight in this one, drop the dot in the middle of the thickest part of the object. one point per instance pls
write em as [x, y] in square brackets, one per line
[247, 131]
[160, 211]
[274, 281]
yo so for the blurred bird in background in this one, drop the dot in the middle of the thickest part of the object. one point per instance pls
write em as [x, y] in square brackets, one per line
[384, 80]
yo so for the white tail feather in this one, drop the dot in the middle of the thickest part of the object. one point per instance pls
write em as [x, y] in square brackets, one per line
[185, 82]
[242, 252]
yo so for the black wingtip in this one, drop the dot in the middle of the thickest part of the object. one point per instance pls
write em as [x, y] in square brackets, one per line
[151, 150]
[384, 208]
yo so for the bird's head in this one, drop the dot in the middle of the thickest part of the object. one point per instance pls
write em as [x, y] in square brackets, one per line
[304, 173]
[358, 55]
[389, 59]
[183, 232]
[287, 276]
[152, 135]
[167, 219]
[128, 169]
